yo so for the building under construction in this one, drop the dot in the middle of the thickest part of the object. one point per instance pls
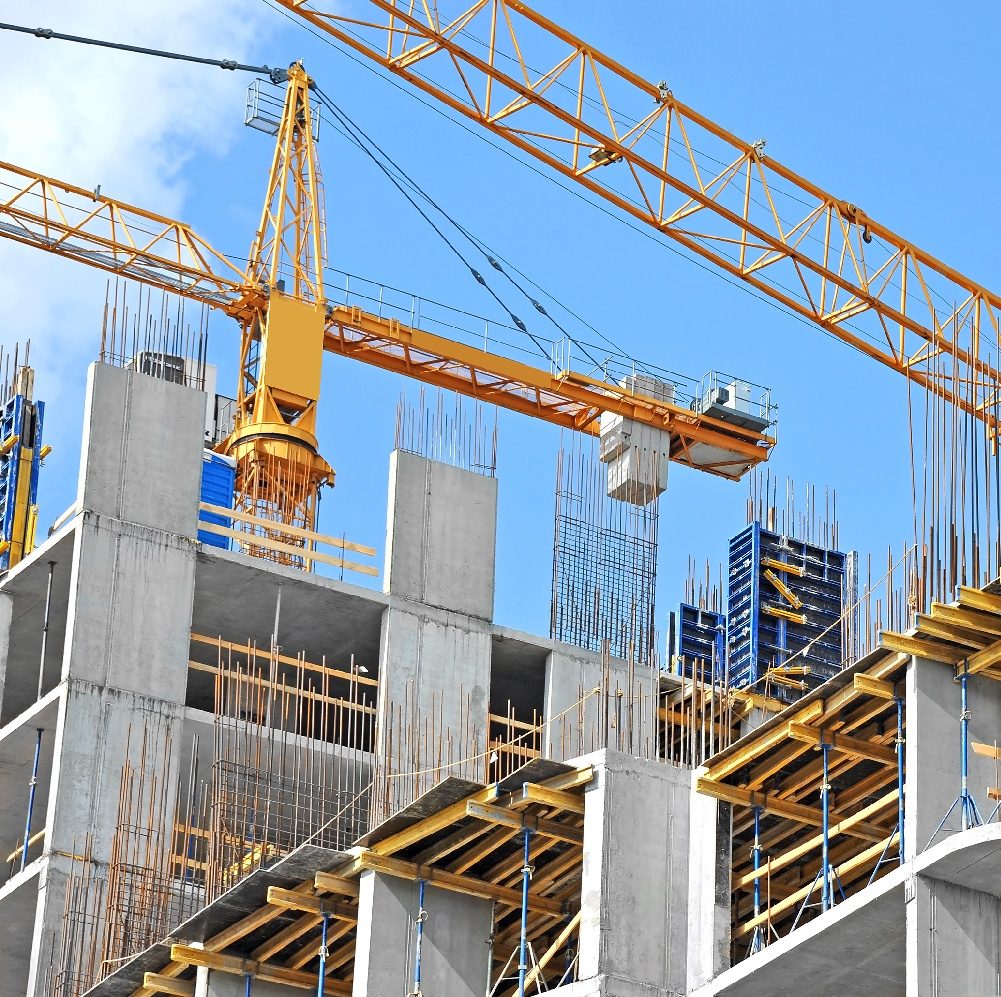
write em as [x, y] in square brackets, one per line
[228, 767]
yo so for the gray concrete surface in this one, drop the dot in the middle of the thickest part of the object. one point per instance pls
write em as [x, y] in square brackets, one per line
[634, 893]
[455, 949]
[573, 674]
[441, 535]
[932, 748]
[131, 584]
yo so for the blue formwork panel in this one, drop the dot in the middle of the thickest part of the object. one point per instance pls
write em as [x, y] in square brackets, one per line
[218, 486]
[757, 639]
[700, 647]
[22, 419]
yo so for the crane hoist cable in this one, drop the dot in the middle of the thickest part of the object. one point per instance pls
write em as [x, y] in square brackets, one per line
[400, 178]
[352, 133]
[275, 75]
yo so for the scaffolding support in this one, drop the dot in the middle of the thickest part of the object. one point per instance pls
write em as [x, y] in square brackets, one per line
[825, 849]
[968, 809]
[31, 797]
[899, 829]
[248, 985]
[422, 916]
[321, 973]
[758, 939]
[45, 628]
[526, 878]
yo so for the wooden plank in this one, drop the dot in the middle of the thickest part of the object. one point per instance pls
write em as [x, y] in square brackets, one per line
[158, 984]
[928, 626]
[868, 686]
[557, 799]
[785, 808]
[970, 619]
[267, 971]
[975, 599]
[988, 750]
[514, 818]
[558, 942]
[982, 660]
[431, 825]
[569, 780]
[285, 937]
[451, 881]
[842, 742]
[295, 531]
[804, 848]
[255, 652]
[863, 858]
[256, 540]
[757, 746]
[307, 904]
[931, 649]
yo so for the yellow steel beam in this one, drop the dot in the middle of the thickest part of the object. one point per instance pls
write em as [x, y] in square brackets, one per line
[792, 569]
[450, 881]
[868, 686]
[532, 792]
[158, 984]
[783, 614]
[514, 818]
[291, 900]
[785, 808]
[794, 600]
[931, 649]
[842, 742]
[265, 971]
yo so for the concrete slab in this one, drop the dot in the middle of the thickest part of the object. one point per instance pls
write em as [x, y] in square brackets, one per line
[18, 899]
[858, 949]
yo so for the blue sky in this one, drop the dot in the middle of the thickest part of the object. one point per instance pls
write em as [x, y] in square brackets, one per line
[891, 106]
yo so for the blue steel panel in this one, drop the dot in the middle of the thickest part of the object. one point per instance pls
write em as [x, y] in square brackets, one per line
[218, 485]
[700, 638]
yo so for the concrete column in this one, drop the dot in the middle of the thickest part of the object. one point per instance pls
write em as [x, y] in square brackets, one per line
[573, 730]
[455, 953]
[441, 535]
[124, 664]
[953, 939]
[635, 885]
[931, 754]
[435, 644]
[709, 862]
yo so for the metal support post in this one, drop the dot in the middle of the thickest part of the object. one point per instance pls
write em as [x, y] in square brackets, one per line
[422, 916]
[758, 937]
[526, 878]
[900, 778]
[321, 973]
[45, 628]
[248, 985]
[31, 797]
[826, 900]
[969, 812]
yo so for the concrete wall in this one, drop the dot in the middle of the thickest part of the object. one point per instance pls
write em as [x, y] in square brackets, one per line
[124, 661]
[634, 894]
[6, 613]
[441, 535]
[953, 939]
[572, 673]
[931, 753]
[709, 868]
[434, 656]
[455, 952]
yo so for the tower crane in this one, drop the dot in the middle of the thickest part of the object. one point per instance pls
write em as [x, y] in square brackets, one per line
[287, 322]
[630, 141]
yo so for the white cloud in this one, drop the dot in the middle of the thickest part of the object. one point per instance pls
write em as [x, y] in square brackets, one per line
[130, 123]
[127, 122]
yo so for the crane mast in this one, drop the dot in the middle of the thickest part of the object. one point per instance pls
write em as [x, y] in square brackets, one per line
[279, 470]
